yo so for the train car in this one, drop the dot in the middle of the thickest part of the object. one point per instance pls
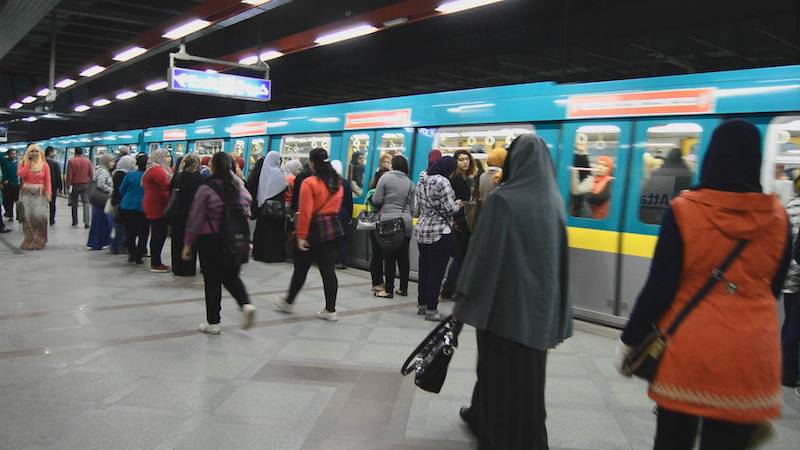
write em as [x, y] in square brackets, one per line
[621, 149]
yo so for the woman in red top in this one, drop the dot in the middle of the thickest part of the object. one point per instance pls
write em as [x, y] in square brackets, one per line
[35, 196]
[318, 232]
[156, 182]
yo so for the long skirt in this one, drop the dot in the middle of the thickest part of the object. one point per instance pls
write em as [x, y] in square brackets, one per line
[37, 215]
[507, 408]
[180, 267]
[269, 240]
[100, 231]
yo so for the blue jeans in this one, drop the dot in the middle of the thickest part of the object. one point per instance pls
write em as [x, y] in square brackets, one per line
[119, 238]
[100, 232]
[790, 340]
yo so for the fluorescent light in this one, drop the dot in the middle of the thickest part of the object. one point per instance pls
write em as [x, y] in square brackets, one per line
[324, 119]
[347, 33]
[271, 54]
[51, 116]
[395, 22]
[126, 95]
[249, 60]
[256, 2]
[156, 86]
[101, 102]
[81, 108]
[461, 5]
[67, 82]
[30, 119]
[211, 71]
[92, 71]
[280, 123]
[43, 92]
[28, 99]
[15, 105]
[677, 128]
[186, 29]
[130, 53]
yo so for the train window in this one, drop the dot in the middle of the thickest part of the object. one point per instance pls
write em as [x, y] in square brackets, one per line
[592, 171]
[357, 157]
[479, 140]
[782, 157]
[256, 150]
[209, 147]
[670, 160]
[389, 146]
[300, 145]
[180, 150]
[238, 153]
[154, 146]
[99, 151]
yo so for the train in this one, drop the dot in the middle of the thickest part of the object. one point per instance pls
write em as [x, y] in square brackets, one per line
[639, 125]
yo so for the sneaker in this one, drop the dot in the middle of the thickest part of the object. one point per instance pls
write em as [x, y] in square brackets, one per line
[5, 230]
[210, 328]
[327, 315]
[248, 314]
[433, 316]
[159, 269]
[283, 306]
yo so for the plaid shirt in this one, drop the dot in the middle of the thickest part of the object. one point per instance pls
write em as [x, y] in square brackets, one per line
[436, 205]
[792, 283]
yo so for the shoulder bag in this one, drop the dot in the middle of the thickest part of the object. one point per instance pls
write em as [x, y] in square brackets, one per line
[430, 360]
[321, 229]
[644, 359]
[96, 196]
[171, 210]
[366, 220]
[389, 234]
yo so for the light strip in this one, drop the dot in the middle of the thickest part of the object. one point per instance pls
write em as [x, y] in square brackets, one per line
[256, 2]
[347, 33]
[30, 119]
[92, 71]
[157, 86]
[81, 108]
[249, 60]
[462, 5]
[130, 53]
[43, 92]
[15, 105]
[269, 55]
[101, 102]
[186, 29]
[65, 83]
[28, 99]
[126, 95]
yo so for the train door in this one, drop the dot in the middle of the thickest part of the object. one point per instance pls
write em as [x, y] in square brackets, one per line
[177, 151]
[256, 148]
[96, 152]
[593, 179]
[238, 147]
[208, 147]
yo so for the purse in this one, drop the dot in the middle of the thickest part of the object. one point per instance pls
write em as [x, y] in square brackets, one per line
[319, 230]
[644, 359]
[171, 210]
[366, 220]
[96, 196]
[430, 360]
[273, 209]
[390, 234]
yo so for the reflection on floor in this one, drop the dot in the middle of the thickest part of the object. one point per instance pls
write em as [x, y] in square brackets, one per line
[99, 354]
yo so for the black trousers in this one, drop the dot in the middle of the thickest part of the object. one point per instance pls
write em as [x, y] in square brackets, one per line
[400, 258]
[137, 232]
[158, 235]
[216, 275]
[325, 256]
[790, 340]
[10, 196]
[432, 265]
[180, 267]
[678, 431]
[53, 208]
[376, 261]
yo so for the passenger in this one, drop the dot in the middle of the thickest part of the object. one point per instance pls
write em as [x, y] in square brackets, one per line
[79, 174]
[34, 175]
[490, 179]
[10, 183]
[126, 164]
[156, 182]
[386, 161]
[318, 230]
[436, 203]
[462, 183]
[513, 290]
[305, 172]
[599, 198]
[131, 212]
[581, 182]
[345, 216]
[3, 228]
[376, 254]
[790, 332]
[100, 231]
[357, 166]
[168, 162]
[269, 185]
[663, 185]
[188, 180]
[722, 366]
[205, 217]
[121, 151]
[292, 169]
[55, 181]
[205, 171]
[394, 196]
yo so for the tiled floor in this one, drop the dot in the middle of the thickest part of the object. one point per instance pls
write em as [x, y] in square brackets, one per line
[99, 354]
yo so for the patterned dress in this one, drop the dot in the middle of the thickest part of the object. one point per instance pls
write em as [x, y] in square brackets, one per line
[36, 187]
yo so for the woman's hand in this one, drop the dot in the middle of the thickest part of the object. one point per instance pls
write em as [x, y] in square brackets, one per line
[186, 254]
[303, 245]
[49, 197]
[620, 354]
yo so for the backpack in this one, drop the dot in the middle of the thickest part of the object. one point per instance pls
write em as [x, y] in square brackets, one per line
[234, 230]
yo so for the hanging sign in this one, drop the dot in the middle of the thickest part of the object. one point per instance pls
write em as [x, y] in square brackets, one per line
[378, 119]
[178, 134]
[646, 103]
[219, 84]
[248, 129]
[3, 133]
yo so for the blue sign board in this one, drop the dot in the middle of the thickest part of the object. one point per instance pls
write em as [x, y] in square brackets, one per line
[220, 84]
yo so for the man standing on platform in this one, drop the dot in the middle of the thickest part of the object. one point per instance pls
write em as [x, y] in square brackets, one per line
[55, 181]
[79, 174]
[10, 183]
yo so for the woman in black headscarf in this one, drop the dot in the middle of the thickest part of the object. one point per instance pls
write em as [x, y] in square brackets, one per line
[513, 290]
[357, 166]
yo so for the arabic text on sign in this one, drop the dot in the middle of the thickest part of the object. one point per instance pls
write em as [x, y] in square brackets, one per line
[189, 80]
[685, 101]
[377, 119]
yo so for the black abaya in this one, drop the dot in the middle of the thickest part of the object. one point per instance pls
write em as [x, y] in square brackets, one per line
[269, 238]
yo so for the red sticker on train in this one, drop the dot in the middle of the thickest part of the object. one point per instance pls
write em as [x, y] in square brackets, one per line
[647, 103]
[174, 135]
[378, 119]
[248, 129]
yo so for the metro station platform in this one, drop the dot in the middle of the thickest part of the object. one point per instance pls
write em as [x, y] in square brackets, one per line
[99, 354]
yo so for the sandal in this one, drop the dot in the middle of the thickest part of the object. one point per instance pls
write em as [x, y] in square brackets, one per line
[377, 288]
[383, 294]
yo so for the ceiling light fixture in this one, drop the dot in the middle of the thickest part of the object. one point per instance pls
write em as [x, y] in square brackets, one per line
[256, 2]
[28, 99]
[126, 95]
[30, 119]
[249, 60]
[462, 5]
[65, 83]
[211, 71]
[395, 22]
[186, 29]
[15, 105]
[101, 102]
[128, 54]
[92, 71]
[347, 33]
[270, 55]
[81, 108]
[157, 86]
[43, 92]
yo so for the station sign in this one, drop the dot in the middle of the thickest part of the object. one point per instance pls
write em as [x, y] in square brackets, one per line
[248, 129]
[378, 119]
[3, 133]
[178, 134]
[643, 103]
[219, 84]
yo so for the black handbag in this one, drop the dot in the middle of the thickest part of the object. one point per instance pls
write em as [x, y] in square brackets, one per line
[273, 209]
[390, 234]
[171, 210]
[432, 356]
[644, 359]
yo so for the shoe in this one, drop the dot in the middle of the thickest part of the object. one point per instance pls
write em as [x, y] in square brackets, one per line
[52, 223]
[420, 310]
[210, 328]
[131, 258]
[377, 288]
[283, 306]
[74, 225]
[383, 294]
[86, 226]
[796, 392]
[466, 416]
[5, 230]
[433, 317]
[445, 296]
[341, 266]
[139, 261]
[248, 314]
[401, 293]
[327, 315]
[159, 269]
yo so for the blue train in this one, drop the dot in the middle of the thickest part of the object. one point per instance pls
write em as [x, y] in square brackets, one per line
[629, 130]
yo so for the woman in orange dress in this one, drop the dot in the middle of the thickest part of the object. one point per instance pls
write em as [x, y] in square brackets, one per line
[35, 195]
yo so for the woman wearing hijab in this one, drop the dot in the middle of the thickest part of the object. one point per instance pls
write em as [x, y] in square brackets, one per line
[513, 290]
[186, 181]
[722, 367]
[664, 184]
[269, 186]
[345, 216]
[490, 179]
[100, 230]
[599, 198]
[357, 166]
[126, 163]
[156, 183]
[131, 213]
[436, 204]
[34, 197]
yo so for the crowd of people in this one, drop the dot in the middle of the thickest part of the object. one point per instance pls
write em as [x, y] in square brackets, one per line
[494, 239]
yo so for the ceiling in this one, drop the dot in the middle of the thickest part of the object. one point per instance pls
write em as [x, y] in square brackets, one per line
[509, 42]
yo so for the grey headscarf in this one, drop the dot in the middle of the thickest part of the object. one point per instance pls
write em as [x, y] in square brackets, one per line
[293, 167]
[103, 161]
[126, 164]
[513, 280]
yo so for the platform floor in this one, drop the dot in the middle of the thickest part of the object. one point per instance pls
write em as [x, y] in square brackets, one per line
[99, 354]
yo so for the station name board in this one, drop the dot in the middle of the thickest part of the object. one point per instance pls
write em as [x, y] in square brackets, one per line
[643, 103]
[219, 84]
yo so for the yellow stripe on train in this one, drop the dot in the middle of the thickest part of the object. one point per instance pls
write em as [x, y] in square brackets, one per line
[632, 244]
